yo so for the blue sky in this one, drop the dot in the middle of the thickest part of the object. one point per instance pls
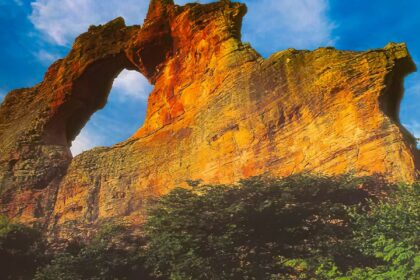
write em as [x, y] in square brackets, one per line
[34, 33]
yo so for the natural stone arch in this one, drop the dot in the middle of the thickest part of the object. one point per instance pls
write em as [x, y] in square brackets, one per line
[73, 89]
[122, 115]
[35, 140]
[116, 47]
[218, 112]
[89, 94]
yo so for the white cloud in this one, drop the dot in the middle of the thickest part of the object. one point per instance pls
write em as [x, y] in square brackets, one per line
[45, 57]
[86, 140]
[273, 25]
[413, 127]
[105, 129]
[131, 85]
[270, 25]
[62, 20]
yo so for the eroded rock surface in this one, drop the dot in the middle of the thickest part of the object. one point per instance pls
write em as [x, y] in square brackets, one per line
[218, 112]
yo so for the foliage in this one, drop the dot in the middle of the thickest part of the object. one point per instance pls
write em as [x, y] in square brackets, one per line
[112, 254]
[21, 250]
[259, 229]
[390, 233]
[300, 227]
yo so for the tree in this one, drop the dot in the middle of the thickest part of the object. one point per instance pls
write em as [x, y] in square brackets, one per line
[261, 228]
[111, 254]
[390, 235]
[300, 227]
[21, 250]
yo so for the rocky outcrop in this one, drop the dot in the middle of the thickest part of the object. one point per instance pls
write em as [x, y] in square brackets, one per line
[218, 112]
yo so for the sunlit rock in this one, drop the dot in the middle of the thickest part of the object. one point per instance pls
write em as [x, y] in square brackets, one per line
[218, 112]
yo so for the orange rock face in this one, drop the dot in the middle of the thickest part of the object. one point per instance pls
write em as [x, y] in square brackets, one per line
[219, 112]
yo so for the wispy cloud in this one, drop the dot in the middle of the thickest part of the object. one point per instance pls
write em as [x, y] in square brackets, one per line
[110, 127]
[45, 57]
[273, 25]
[270, 25]
[414, 127]
[18, 2]
[132, 85]
[106, 127]
[62, 20]
[85, 141]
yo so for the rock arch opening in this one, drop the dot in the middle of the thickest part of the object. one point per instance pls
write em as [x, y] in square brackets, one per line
[122, 115]
[89, 94]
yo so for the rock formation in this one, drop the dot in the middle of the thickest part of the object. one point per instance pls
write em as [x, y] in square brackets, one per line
[218, 112]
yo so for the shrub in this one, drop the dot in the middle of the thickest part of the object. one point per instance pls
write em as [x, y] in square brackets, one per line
[112, 254]
[258, 229]
[300, 227]
[21, 250]
[390, 234]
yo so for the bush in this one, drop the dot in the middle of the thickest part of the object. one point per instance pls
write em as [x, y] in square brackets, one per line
[390, 234]
[300, 227]
[21, 250]
[112, 254]
[293, 228]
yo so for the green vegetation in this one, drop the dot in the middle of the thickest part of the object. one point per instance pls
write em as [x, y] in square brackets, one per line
[259, 229]
[21, 250]
[111, 254]
[389, 234]
[300, 227]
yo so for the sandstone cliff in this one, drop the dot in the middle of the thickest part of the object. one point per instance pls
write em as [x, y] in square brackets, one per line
[218, 112]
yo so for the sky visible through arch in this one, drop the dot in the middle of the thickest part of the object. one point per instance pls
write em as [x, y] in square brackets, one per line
[34, 33]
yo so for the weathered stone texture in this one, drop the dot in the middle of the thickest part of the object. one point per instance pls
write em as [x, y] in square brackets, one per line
[218, 112]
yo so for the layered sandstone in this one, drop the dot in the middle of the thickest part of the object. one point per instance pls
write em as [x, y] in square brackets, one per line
[218, 112]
